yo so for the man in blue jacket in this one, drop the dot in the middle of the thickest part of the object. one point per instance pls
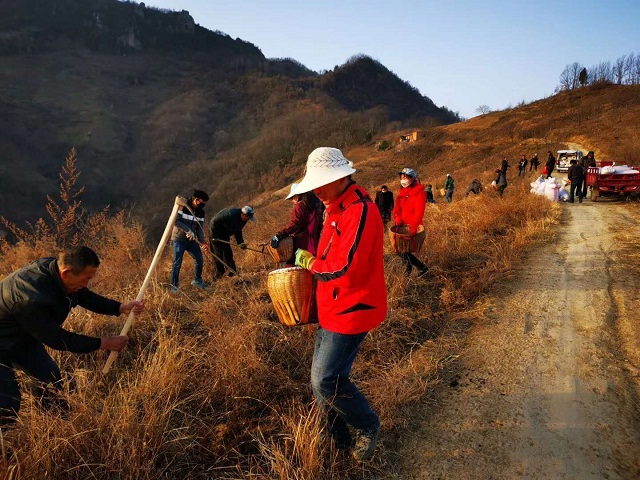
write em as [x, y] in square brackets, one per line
[188, 236]
[34, 303]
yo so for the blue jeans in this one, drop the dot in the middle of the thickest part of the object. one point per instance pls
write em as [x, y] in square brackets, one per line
[193, 249]
[33, 360]
[340, 399]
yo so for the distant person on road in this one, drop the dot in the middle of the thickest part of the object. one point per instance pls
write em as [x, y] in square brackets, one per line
[586, 162]
[576, 176]
[428, 190]
[534, 162]
[501, 181]
[409, 210]
[551, 163]
[522, 166]
[34, 303]
[448, 188]
[188, 236]
[474, 187]
[227, 222]
[384, 201]
[305, 223]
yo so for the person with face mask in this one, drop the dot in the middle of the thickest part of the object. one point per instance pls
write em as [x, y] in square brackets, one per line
[409, 210]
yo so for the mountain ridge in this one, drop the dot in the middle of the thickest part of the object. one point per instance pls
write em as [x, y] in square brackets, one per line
[155, 105]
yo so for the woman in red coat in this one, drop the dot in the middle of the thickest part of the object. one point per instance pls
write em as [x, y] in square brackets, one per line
[409, 210]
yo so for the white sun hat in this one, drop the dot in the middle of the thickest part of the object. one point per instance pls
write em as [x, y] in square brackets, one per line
[324, 166]
[291, 191]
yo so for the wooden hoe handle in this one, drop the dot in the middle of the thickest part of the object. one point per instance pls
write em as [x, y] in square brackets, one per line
[179, 202]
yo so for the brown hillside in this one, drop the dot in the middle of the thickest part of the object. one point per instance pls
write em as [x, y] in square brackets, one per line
[213, 386]
[601, 118]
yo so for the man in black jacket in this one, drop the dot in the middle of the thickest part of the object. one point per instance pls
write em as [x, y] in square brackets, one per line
[534, 162]
[34, 303]
[576, 175]
[227, 222]
[586, 162]
[384, 201]
[551, 163]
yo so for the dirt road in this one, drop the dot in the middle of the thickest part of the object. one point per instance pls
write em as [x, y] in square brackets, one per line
[550, 382]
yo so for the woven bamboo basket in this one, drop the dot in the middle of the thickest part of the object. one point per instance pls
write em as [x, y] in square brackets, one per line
[283, 252]
[291, 291]
[402, 242]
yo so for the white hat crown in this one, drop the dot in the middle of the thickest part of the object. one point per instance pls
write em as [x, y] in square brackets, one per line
[324, 165]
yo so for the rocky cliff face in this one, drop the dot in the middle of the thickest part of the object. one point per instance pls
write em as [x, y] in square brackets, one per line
[30, 26]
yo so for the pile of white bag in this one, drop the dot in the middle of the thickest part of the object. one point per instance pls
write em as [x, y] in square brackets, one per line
[550, 188]
[608, 170]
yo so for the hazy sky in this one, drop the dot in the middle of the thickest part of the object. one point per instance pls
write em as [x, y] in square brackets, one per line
[460, 53]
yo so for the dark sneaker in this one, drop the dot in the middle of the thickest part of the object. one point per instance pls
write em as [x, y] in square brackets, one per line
[423, 271]
[199, 284]
[174, 289]
[580, 199]
[365, 444]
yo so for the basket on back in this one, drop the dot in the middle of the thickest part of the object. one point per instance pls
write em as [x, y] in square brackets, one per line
[403, 242]
[283, 252]
[291, 291]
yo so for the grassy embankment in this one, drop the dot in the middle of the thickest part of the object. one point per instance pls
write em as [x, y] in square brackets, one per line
[212, 386]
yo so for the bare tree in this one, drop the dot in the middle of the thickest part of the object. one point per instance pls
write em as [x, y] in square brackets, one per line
[602, 73]
[619, 69]
[632, 69]
[482, 109]
[570, 76]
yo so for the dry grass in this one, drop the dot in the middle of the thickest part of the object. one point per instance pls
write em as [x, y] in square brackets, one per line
[212, 386]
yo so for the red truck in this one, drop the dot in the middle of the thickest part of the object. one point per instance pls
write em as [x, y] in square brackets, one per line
[610, 184]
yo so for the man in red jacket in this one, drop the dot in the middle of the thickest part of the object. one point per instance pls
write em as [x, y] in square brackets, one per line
[351, 295]
[409, 210]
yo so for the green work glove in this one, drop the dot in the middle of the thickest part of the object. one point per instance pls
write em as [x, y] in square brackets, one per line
[243, 246]
[304, 259]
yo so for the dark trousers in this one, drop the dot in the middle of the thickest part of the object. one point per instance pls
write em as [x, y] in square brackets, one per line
[549, 172]
[410, 260]
[33, 360]
[223, 252]
[576, 188]
[584, 187]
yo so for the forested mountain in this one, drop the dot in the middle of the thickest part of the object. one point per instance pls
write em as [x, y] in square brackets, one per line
[156, 104]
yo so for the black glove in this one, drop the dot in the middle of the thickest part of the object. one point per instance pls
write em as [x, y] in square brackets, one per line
[275, 241]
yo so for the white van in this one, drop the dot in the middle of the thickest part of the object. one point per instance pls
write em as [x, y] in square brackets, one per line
[563, 160]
